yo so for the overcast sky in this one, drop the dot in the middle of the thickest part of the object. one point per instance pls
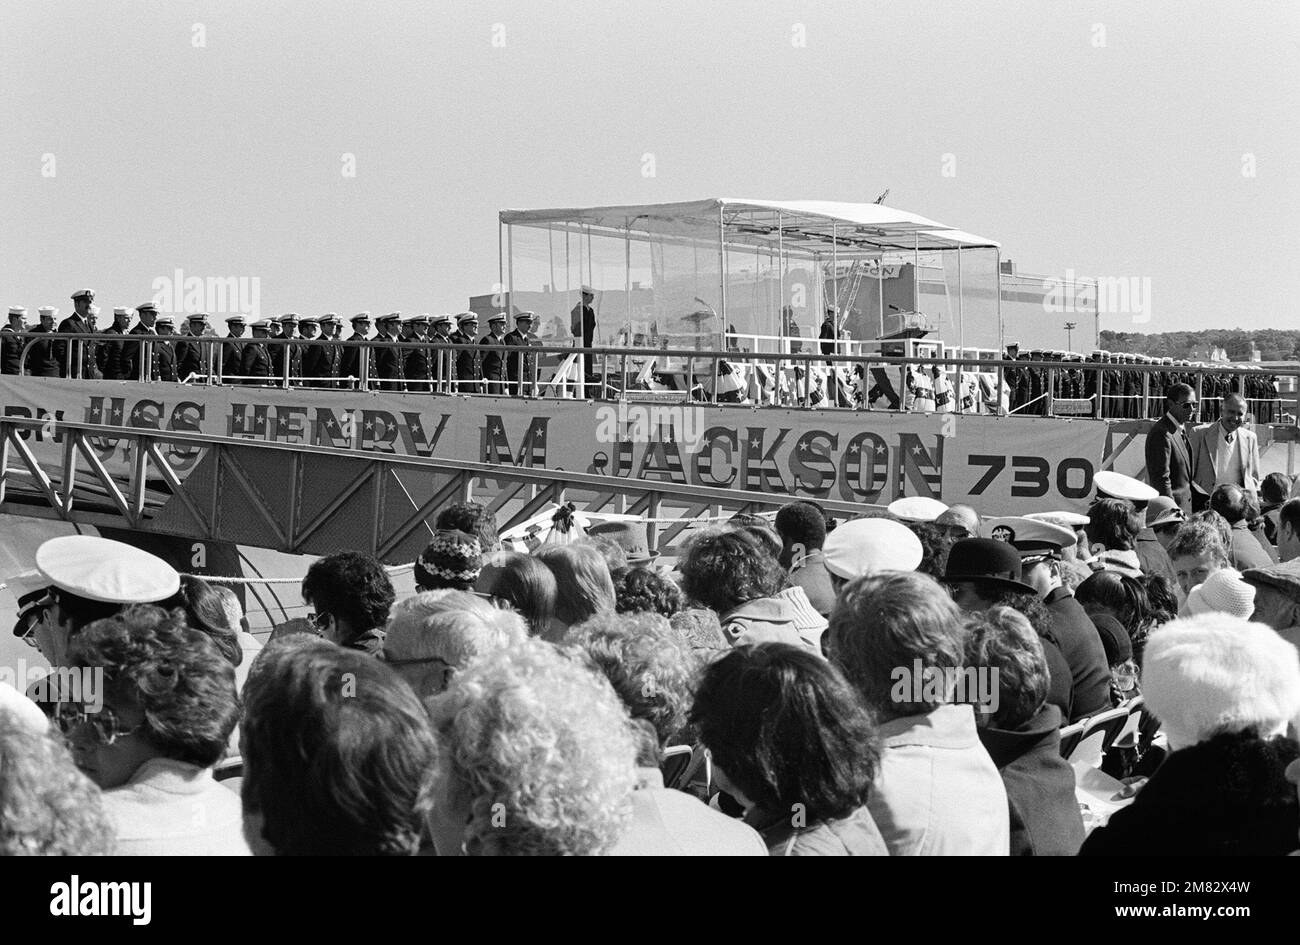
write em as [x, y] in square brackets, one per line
[1107, 138]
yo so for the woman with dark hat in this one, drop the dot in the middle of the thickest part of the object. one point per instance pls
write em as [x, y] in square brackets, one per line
[985, 572]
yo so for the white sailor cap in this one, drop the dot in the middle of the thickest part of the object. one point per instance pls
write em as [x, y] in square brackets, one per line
[197, 317]
[917, 508]
[331, 318]
[48, 311]
[360, 317]
[464, 317]
[390, 317]
[444, 319]
[531, 316]
[83, 294]
[165, 320]
[586, 290]
[108, 571]
[498, 317]
[1115, 485]
[289, 317]
[235, 320]
[147, 307]
[866, 545]
[422, 319]
[1064, 519]
[1031, 537]
[17, 310]
[121, 310]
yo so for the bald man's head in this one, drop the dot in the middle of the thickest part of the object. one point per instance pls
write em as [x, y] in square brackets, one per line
[1234, 412]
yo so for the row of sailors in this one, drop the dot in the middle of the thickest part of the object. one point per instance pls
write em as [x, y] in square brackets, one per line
[244, 360]
[1121, 390]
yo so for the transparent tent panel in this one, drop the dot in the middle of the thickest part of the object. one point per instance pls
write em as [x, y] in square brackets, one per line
[671, 288]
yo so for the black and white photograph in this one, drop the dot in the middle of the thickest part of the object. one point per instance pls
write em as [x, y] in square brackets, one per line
[655, 429]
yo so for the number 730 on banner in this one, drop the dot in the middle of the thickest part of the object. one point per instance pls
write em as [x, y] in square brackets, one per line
[1032, 475]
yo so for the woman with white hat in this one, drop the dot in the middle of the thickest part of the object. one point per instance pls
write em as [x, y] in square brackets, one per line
[1225, 691]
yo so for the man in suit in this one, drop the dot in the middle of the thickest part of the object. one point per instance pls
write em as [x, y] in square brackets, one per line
[1225, 452]
[1168, 450]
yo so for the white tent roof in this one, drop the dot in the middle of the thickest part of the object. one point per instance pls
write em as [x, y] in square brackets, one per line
[806, 222]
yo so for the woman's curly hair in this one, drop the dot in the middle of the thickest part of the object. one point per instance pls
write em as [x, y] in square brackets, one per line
[176, 675]
[543, 750]
[47, 806]
[725, 568]
[649, 665]
[645, 590]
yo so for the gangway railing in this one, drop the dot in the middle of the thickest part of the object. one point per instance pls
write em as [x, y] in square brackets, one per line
[785, 378]
[300, 498]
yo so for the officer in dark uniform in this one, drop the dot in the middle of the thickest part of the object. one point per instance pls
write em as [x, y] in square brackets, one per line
[419, 361]
[232, 349]
[165, 350]
[582, 318]
[255, 364]
[83, 353]
[350, 359]
[133, 352]
[192, 355]
[11, 346]
[469, 367]
[494, 370]
[288, 331]
[110, 356]
[441, 361]
[331, 326]
[521, 368]
[315, 358]
[390, 360]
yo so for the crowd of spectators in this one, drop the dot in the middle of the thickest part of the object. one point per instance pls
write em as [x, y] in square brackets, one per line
[901, 683]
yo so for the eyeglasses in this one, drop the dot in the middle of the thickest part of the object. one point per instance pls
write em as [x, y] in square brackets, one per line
[69, 716]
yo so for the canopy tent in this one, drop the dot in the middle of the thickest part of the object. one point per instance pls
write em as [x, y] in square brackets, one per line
[810, 225]
[756, 273]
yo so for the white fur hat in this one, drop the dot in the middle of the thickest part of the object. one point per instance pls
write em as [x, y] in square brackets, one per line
[1215, 672]
[1223, 592]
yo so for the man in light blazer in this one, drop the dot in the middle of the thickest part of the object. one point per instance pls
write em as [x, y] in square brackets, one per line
[1225, 452]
